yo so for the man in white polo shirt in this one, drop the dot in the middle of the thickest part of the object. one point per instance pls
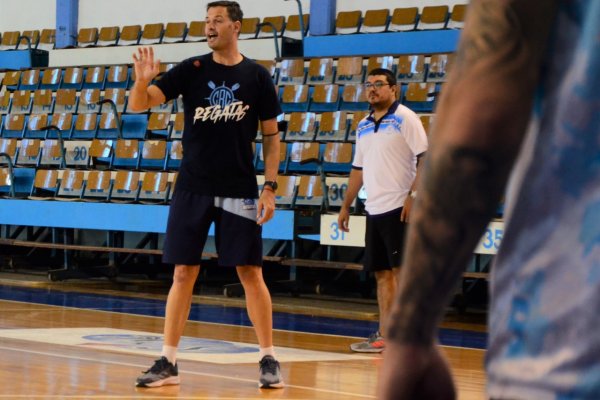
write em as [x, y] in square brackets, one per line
[389, 145]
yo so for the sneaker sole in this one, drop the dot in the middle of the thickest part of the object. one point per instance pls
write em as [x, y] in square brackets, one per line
[172, 380]
[374, 350]
[278, 385]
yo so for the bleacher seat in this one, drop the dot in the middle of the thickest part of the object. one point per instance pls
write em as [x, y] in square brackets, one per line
[21, 102]
[301, 126]
[403, 19]
[100, 153]
[260, 161]
[420, 96]
[4, 102]
[9, 40]
[21, 183]
[291, 71]
[174, 154]
[357, 116]
[47, 39]
[348, 22]
[457, 17]
[386, 62]
[13, 127]
[174, 32]
[294, 98]
[34, 124]
[86, 126]
[126, 187]
[427, 121]
[337, 158]
[78, 153]
[292, 26]
[51, 78]
[303, 151]
[159, 124]
[108, 36]
[267, 31]
[11, 80]
[152, 34]
[130, 35]
[34, 38]
[325, 98]
[333, 126]
[154, 155]
[10, 147]
[30, 79]
[71, 185]
[196, 32]
[320, 71]
[97, 187]
[87, 37]
[117, 96]
[65, 101]
[64, 122]
[286, 191]
[117, 77]
[155, 188]
[271, 66]
[45, 184]
[29, 152]
[354, 97]
[43, 101]
[375, 21]
[88, 101]
[349, 70]
[249, 28]
[52, 154]
[73, 78]
[310, 191]
[94, 77]
[439, 65]
[433, 17]
[126, 154]
[178, 123]
[411, 68]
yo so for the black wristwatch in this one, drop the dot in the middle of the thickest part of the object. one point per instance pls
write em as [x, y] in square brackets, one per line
[271, 184]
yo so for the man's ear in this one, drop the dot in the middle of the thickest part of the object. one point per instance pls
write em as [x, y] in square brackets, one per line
[237, 26]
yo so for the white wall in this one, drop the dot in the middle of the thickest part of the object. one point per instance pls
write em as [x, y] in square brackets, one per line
[39, 14]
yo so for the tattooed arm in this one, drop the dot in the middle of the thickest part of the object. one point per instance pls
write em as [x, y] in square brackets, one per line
[481, 119]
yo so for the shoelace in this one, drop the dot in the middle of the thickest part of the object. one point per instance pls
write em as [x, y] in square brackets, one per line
[269, 365]
[157, 367]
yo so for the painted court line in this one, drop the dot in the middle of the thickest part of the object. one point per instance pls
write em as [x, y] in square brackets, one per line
[204, 374]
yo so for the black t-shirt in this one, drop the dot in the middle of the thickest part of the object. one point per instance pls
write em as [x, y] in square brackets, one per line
[222, 107]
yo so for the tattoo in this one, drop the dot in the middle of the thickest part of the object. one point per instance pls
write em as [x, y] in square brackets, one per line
[459, 197]
[495, 32]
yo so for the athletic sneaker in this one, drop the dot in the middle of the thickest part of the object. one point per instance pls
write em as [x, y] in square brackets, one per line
[160, 374]
[374, 344]
[270, 374]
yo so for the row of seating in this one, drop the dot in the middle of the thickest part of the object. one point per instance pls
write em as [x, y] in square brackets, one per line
[347, 22]
[152, 33]
[144, 155]
[407, 68]
[294, 126]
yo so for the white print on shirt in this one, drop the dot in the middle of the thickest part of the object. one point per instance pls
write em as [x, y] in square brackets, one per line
[223, 105]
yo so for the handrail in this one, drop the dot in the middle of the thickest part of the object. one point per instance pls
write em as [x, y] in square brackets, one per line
[27, 38]
[11, 174]
[115, 112]
[61, 142]
[277, 54]
[301, 20]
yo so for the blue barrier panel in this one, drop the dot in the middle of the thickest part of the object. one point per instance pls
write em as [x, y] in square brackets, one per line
[116, 217]
[418, 42]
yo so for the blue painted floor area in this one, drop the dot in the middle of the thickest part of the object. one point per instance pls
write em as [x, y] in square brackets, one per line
[222, 314]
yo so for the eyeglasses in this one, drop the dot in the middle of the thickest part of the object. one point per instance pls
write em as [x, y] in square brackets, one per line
[376, 85]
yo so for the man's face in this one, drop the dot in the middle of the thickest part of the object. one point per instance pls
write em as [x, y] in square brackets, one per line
[220, 30]
[380, 94]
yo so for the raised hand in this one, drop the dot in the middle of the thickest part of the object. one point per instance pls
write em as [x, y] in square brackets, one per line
[145, 66]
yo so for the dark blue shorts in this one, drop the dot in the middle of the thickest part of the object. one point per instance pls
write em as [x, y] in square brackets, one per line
[237, 236]
[384, 241]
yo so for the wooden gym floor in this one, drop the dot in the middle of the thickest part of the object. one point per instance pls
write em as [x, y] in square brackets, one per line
[90, 339]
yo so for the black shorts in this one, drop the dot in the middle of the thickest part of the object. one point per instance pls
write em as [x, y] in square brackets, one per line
[384, 241]
[237, 236]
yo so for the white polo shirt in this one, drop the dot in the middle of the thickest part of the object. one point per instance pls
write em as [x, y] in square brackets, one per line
[386, 151]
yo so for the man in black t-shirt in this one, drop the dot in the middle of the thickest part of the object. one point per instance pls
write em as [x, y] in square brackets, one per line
[225, 97]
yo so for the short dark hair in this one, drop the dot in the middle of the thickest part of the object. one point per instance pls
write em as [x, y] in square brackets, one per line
[391, 79]
[233, 9]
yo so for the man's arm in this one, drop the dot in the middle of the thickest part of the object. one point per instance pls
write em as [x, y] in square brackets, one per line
[355, 182]
[143, 96]
[480, 122]
[405, 215]
[270, 145]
